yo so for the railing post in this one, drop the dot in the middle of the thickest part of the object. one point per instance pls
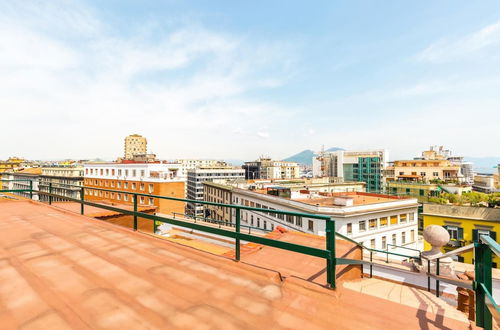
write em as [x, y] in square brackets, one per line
[330, 246]
[50, 192]
[82, 198]
[387, 254]
[135, 211]
[371, 264]
[237, 243]
[482, 267]
[437, 281]
[31, 189]
[428, 273]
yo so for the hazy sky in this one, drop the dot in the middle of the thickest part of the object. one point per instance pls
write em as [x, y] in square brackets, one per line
[236, 79]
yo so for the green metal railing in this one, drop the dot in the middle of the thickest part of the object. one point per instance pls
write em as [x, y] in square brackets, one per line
[328, 253]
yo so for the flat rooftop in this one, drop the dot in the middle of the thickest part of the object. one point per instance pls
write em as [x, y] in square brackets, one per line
[329, 199]
[61, 270]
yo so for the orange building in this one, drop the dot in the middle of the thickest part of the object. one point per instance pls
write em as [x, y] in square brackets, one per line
[144, 178]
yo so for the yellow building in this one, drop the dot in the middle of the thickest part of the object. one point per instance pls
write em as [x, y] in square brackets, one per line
[465, 224]
[8, 165]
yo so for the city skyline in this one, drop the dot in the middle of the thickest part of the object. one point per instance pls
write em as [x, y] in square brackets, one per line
[204, 81]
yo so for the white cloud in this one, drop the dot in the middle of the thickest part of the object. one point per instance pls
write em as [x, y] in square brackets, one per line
[450, 50]
[186, 91]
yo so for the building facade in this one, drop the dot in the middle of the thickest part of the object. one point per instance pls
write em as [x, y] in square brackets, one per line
[372, 219]
[135, 144]
[218, 193]
[486, 183]
[66, 181]
[22, 179]
[266, 168]
[423, 170]
[9, 165]
[361, 166]
[464, 224]
[196, 178]
[145, 178]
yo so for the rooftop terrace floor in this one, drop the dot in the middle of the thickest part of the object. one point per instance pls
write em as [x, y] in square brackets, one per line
[60, 270]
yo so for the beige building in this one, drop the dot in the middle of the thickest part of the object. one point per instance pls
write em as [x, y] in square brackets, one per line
[266, 168]
[135, 144]
[66, 181]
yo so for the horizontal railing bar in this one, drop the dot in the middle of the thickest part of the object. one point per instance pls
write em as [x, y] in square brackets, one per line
[494, 246]
[241, 207]
[491, 303]
[455, 281]
[15, 190]
[343, 261]
[17, 180]
[227, 233]
[403, 247]
[451, 253]
[394, 253]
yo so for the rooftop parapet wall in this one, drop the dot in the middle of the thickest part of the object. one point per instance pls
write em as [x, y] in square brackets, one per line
[479, 213]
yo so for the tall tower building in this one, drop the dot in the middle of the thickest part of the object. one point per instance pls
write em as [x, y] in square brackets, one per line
[135, 144]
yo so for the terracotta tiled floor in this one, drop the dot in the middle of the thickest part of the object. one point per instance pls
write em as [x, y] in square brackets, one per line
[60, 270]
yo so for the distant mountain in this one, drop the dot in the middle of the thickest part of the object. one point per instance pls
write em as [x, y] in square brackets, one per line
[305, 157]
[484, 164]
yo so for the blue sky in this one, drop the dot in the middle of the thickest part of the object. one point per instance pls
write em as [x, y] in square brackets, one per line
[238, 79]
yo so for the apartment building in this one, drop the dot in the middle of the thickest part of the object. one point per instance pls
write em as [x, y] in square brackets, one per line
[160, 178]
[464, 224]
[195, 179]
[65, 181]
[191, 164]
[266, 168]
[22, 178]
[218, 193]
[11, 164]
[135, 144]
[362, 166]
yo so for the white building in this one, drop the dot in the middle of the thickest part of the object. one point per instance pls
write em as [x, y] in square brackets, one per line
[268, 169]
[372, 219]
[197, 176]
[131, 171]
[65, 180]
[22, 179]
[191, 164]
[365, 166]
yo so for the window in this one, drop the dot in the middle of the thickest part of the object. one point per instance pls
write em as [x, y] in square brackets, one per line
[289, 218]
[411, 217]
[142, 173]
[403, 238]
[476, 233]
[422, 173]
[402, 218]
[310, 226]
[119, 172]
[118, 184]
[151, 201]
[141, 200]
[150, 188]
[113, 172]
[394, 220]
[421, 192]
[107, 171]
[435, 173]
[373, 224]
[134, 186]
[251, 219]
[119, 197]
[134, 172]
[126, 172]
[125, 185]
[394, 239]
[454, 232]
[298, 221]
[412, 235]
[383, 222]
[125, 197]
[112, 184]
[362, 225]
[372, 243]
[141, 186]
[349, 228]
[384, 242]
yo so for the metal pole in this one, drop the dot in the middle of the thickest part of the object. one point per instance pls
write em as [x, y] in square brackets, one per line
[482, 267]
[31, 189]
[50, 192]
[371, 265]
[387, 254]
[82, 198]
[428, 277]
[135, 211]
[330, 246]
[237, 243]
[437, 281]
